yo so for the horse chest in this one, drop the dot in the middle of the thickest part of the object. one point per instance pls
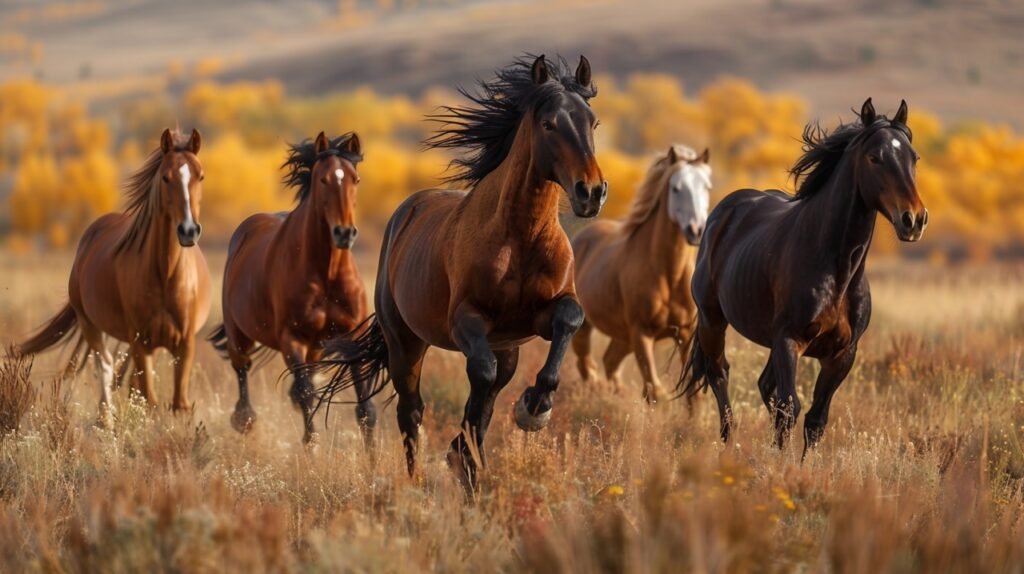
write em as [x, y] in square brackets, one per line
[524, 279]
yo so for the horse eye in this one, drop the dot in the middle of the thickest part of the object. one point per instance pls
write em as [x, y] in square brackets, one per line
[323, 180]
[547, 125]
[874, 159]
[358, 180]
[597, 123]
[167, 178]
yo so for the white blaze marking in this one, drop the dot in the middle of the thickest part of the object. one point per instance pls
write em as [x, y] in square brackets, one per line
[895, 143]
[340, 174]
[186, 176]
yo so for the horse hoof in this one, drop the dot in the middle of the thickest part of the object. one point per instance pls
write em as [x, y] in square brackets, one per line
[106, 419]
[652, 393]
[243, 419]
[528, 422]
[311, 440]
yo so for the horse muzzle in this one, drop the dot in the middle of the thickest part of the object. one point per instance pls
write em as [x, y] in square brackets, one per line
[910, 226]
[587, 200]
[188, 233]
[693, 233]
[344, 236]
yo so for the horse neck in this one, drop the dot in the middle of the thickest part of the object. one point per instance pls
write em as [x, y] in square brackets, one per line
[316, 249]
[845, 222]
[661, 237]
[160, 248]
[514, 196]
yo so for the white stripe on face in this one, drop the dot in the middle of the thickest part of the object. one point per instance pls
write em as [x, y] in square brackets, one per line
[186, 176]
[339, 173]
[895, 143]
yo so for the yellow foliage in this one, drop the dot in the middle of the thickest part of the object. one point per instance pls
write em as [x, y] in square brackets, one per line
[239, 181]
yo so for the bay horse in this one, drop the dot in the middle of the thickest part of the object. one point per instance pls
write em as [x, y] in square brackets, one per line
[139, 277]
[484, 271]
[291, 281]
[633, 277]
[787, 272]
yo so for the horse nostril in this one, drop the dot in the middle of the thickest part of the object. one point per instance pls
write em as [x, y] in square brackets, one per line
[199, 230]
[908, 220]
[924, 219]
[582, 193]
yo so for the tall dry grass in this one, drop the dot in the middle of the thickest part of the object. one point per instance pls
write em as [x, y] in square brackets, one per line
[921, 469]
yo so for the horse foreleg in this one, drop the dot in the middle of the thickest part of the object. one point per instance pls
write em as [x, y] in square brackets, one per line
[833, 372]
[302, 393]
[142, 377]
[244, 416]
[581, 346]
[182, 375]
[643, 349]
[787, 404]
[616, 352]
[469, 331]
[557, 324]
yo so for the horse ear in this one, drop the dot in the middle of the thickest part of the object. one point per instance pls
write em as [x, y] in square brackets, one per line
[867, 113]
[195, 142]
[673, 157]
[901, 114]
[321, 144]
[539, 70]
[705, 156]
[166, 141]
[353, 145]
[583, 72]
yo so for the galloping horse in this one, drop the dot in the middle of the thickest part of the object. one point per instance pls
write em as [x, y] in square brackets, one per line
[633, 278]
[787, 272]
[291, 281]
[139, 277]
[484, 271]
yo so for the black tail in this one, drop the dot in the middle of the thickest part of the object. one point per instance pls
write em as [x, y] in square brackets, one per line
[219, 339]
[693, 379]
[59, 330]
[360, 355]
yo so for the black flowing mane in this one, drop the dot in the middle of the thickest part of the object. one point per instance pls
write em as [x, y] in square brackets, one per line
[302, 157]
[487, 128]
[823, 150]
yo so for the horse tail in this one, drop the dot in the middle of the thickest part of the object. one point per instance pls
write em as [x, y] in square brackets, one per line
[693, 378]
[219, 339]
[59, 330]
[359, 355]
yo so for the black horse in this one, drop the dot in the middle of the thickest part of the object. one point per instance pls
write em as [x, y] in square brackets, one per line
[787, 272]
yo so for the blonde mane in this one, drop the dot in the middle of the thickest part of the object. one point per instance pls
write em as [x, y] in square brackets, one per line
[141, 192]
[648, 195]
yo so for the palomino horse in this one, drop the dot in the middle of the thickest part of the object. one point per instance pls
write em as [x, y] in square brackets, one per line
[484, 271]
[633, 278]
[787, 272]
[139, 277]
[291, 281]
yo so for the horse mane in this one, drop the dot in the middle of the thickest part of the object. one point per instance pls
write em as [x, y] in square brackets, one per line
[487, 127]
[302, 157]
[650, 192]
[140, 190]
[823, 151]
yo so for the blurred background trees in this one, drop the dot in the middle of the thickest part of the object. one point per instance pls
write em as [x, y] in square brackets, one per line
[62, 158]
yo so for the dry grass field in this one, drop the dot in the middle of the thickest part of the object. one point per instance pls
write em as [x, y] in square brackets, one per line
[921, 468]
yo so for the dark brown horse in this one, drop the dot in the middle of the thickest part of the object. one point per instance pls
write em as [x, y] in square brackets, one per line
[291, 281]
[139, 277]
[787, 272]
[484, 271]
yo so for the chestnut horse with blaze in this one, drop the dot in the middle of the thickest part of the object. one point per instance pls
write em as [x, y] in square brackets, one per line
[139, 277]
[291, 281]
[787, 272]
[633, 277]
[484, 271]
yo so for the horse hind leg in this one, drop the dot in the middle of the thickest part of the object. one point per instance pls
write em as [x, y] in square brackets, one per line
[581, 346]
[104, 372]
[708, 361]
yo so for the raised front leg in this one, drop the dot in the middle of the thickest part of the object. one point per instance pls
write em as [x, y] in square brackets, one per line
[557, 324]
[183, 375]
[787, 404]
[302, 393]
[833, 372]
